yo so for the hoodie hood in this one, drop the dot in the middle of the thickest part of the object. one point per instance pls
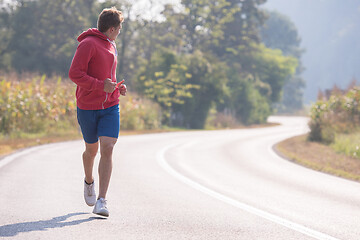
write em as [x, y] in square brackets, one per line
[92, 32]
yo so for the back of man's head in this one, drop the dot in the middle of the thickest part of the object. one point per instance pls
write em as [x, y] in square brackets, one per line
[109, 17]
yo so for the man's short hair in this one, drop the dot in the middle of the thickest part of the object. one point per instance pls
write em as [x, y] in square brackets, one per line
[109, 17]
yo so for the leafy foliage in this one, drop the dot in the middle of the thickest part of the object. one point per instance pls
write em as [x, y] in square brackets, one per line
[339, 114]
[209, 77]
[47, 34]
[166, 81]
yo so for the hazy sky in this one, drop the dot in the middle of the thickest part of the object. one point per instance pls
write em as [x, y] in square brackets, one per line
[329, 30]
[143, 6]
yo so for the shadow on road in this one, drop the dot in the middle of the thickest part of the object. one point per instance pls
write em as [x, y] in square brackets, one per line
[56, 222]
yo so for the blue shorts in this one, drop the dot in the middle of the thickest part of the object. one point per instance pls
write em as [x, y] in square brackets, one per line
[98, 123]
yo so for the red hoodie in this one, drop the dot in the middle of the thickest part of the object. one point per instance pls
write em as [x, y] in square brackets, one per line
[94, 61]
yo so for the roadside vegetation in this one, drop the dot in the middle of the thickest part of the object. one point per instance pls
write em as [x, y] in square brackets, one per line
[335, 120]
[333, 144]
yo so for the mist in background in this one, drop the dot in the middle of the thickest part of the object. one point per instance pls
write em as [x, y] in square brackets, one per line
[330, 33]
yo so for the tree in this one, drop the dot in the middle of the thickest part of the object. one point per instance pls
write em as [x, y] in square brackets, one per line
[210, 76]
[44, 41]
[229, 37]
[272, 69]
[252, 92]
[5, 35]
[166, 81]
[182, 34]
[280, 33]
[238, 22]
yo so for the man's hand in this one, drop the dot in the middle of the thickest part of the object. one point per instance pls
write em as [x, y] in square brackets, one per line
[109, 86]
[122, 87]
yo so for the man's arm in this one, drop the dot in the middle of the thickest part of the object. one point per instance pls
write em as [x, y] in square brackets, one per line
[79, 67]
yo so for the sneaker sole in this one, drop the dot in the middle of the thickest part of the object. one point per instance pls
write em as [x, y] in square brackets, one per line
[90, 202]
[104, 214]
[90, 205]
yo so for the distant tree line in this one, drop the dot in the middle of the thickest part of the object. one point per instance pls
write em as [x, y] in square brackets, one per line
[213, 55]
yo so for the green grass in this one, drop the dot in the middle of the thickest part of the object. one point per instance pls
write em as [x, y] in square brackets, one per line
[348, 144]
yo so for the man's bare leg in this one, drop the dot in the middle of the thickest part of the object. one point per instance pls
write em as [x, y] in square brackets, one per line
[89, 154]
[105, 166]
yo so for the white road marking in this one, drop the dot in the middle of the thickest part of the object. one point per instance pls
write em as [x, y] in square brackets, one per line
[271, 217]
[6, 160]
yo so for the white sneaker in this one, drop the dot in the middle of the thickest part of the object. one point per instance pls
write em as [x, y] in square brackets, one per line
[101, 208]
[89, 193]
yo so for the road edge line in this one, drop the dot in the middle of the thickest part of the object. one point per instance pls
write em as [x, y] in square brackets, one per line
[160, 157]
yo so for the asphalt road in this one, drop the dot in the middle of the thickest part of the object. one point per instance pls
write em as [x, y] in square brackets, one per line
[226, 184]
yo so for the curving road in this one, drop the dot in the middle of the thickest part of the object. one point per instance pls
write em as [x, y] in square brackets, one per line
[226, 184]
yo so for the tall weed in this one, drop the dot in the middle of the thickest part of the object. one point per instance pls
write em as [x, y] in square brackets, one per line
[35, 104]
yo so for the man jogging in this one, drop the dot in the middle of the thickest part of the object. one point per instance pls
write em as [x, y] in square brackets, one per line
[93, 69]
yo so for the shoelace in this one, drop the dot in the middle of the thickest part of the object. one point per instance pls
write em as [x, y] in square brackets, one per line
[104, 203]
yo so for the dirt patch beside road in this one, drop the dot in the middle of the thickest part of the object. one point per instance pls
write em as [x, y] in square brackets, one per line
[319, 157]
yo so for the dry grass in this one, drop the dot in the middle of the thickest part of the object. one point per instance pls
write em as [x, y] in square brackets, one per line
[319, 157]
[8, 146]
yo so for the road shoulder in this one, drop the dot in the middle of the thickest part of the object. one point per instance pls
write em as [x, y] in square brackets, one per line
[319, 157]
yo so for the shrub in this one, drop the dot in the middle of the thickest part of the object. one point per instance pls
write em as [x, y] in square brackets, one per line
[139, 114]
[339, 114]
